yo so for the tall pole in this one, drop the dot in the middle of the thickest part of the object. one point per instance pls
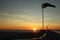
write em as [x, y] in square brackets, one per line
[44, 6]
[42, 18]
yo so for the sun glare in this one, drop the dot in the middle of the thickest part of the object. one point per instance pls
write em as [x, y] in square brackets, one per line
[34, 29]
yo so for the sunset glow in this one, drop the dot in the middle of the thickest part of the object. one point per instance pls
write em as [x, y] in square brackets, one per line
[34, 29]
[27, 15]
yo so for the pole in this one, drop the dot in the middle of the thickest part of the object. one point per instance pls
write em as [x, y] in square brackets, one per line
[42, 18]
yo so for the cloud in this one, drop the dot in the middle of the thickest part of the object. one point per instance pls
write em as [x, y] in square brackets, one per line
[19, 17]
[29, 18]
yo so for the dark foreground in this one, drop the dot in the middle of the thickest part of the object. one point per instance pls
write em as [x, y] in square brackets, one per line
[41, 35]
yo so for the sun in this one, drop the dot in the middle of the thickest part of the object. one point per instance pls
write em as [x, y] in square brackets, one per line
[34, 29]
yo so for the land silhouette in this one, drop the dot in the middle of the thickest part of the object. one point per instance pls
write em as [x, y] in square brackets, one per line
[50, 35]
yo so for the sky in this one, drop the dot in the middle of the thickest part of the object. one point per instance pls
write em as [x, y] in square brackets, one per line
[27, 14]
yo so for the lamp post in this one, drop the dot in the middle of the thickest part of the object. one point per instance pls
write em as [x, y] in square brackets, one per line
[44, 5]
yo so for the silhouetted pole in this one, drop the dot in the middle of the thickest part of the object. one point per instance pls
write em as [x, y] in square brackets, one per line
[44, 6]
[43, 18]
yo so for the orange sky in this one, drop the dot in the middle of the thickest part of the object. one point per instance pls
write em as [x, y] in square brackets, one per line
[27, 26]
[23, 25]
